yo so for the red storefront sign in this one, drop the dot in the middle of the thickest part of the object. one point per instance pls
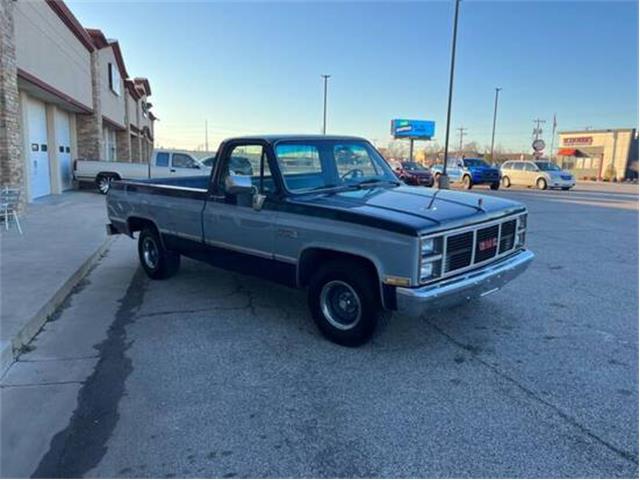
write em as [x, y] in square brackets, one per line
[577, 141]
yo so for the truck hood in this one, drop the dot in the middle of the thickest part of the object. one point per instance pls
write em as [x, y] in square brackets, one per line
[407, 209]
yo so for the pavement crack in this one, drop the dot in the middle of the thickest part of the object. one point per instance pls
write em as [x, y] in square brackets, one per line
[628, 456]
[80, 446]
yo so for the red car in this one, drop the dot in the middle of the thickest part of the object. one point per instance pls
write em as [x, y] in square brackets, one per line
[413, 173]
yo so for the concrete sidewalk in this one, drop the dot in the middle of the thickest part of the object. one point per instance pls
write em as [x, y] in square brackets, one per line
[63, 237]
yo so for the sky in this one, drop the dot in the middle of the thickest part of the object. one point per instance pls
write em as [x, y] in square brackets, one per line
[251, 67]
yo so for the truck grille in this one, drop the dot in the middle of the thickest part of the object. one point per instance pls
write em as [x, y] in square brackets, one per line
[478, 245]
[458, 251]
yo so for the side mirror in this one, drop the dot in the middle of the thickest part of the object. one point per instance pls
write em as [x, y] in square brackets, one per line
[236, 184]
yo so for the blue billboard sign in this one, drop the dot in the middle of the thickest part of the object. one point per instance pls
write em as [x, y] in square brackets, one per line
[416, 129]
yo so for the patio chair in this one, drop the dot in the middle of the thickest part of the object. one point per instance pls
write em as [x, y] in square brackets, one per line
[9, 201]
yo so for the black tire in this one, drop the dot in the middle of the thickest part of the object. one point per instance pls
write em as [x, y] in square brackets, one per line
[103, 182]
[506, 182]
[541, 184]
[495, 186]
[157, 262]
[466, 182]
[354, 280]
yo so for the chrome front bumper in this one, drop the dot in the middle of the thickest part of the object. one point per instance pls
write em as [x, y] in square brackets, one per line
[469, 285]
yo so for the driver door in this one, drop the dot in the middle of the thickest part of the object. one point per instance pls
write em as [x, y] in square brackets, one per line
[232, 227]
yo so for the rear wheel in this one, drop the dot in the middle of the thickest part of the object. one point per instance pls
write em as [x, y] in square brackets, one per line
[466, 182]
[344, 302]
[506, 182]
[103, 182]
[541, 183]
[495, 186]
[158, 262]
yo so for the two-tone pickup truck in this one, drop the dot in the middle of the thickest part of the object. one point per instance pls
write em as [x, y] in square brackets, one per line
[348, 231]
[163, 163]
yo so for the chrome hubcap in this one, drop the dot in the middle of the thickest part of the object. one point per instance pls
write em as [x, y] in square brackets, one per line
[340, 304]
[150, 252]
[105, 184]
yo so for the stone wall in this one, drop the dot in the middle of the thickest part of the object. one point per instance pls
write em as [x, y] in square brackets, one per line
[11, 161]
[89, 126]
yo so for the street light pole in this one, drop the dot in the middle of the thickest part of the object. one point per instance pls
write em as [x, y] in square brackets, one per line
[324, 110]
[443, 181]
[493, 131]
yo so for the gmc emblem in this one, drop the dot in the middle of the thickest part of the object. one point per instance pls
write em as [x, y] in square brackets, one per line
[487, 244]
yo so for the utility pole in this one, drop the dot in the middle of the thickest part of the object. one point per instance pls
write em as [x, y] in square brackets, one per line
[325, 78]
[206, 135]
[537, 131]
[443, 180]
[493, 131]
[553, 136]
[462, 131]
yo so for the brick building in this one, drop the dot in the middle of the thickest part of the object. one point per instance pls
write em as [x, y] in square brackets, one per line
[65, 93]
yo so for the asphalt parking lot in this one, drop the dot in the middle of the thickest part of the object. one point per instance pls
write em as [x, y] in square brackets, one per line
[213, 374]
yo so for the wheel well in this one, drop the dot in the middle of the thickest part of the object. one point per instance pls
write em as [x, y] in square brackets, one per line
[108, 174]
[136, 224]
[312, 258]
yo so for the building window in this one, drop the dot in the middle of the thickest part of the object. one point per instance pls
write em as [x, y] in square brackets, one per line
[114, 79]
[109, 144]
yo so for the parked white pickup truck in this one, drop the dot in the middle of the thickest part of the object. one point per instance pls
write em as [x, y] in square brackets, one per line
[164, 164]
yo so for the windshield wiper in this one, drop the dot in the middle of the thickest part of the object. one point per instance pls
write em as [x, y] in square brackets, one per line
[372, 182]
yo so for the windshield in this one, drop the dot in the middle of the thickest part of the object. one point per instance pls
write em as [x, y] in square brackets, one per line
[547, 166]
[475, 162]
[321, 164]
[413, 167]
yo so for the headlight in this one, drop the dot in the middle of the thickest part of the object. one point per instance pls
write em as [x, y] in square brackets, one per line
[428, 246]
[430, 258]
[522, 228]
[522, 221]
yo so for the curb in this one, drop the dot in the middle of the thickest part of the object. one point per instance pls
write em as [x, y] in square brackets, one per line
[9, 350]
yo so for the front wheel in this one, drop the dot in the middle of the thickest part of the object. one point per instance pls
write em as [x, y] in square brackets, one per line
[495, 186]
[466, 182]
[506, 182]
[157, 262]
[344, 302]
[541, 184]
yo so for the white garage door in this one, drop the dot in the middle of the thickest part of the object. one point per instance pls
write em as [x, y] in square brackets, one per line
[63, 144]
[38, 149]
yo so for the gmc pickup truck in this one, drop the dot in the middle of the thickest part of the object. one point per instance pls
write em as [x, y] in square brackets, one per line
[326, 213]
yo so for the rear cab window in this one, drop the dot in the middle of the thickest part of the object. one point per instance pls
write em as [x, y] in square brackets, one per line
[162, 159]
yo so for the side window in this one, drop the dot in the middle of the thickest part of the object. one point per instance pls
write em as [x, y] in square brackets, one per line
[351, 158]
[248, 160]
[180, 160]
[162, 159]
[528, 167]
[507, 166]
[518, 166]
